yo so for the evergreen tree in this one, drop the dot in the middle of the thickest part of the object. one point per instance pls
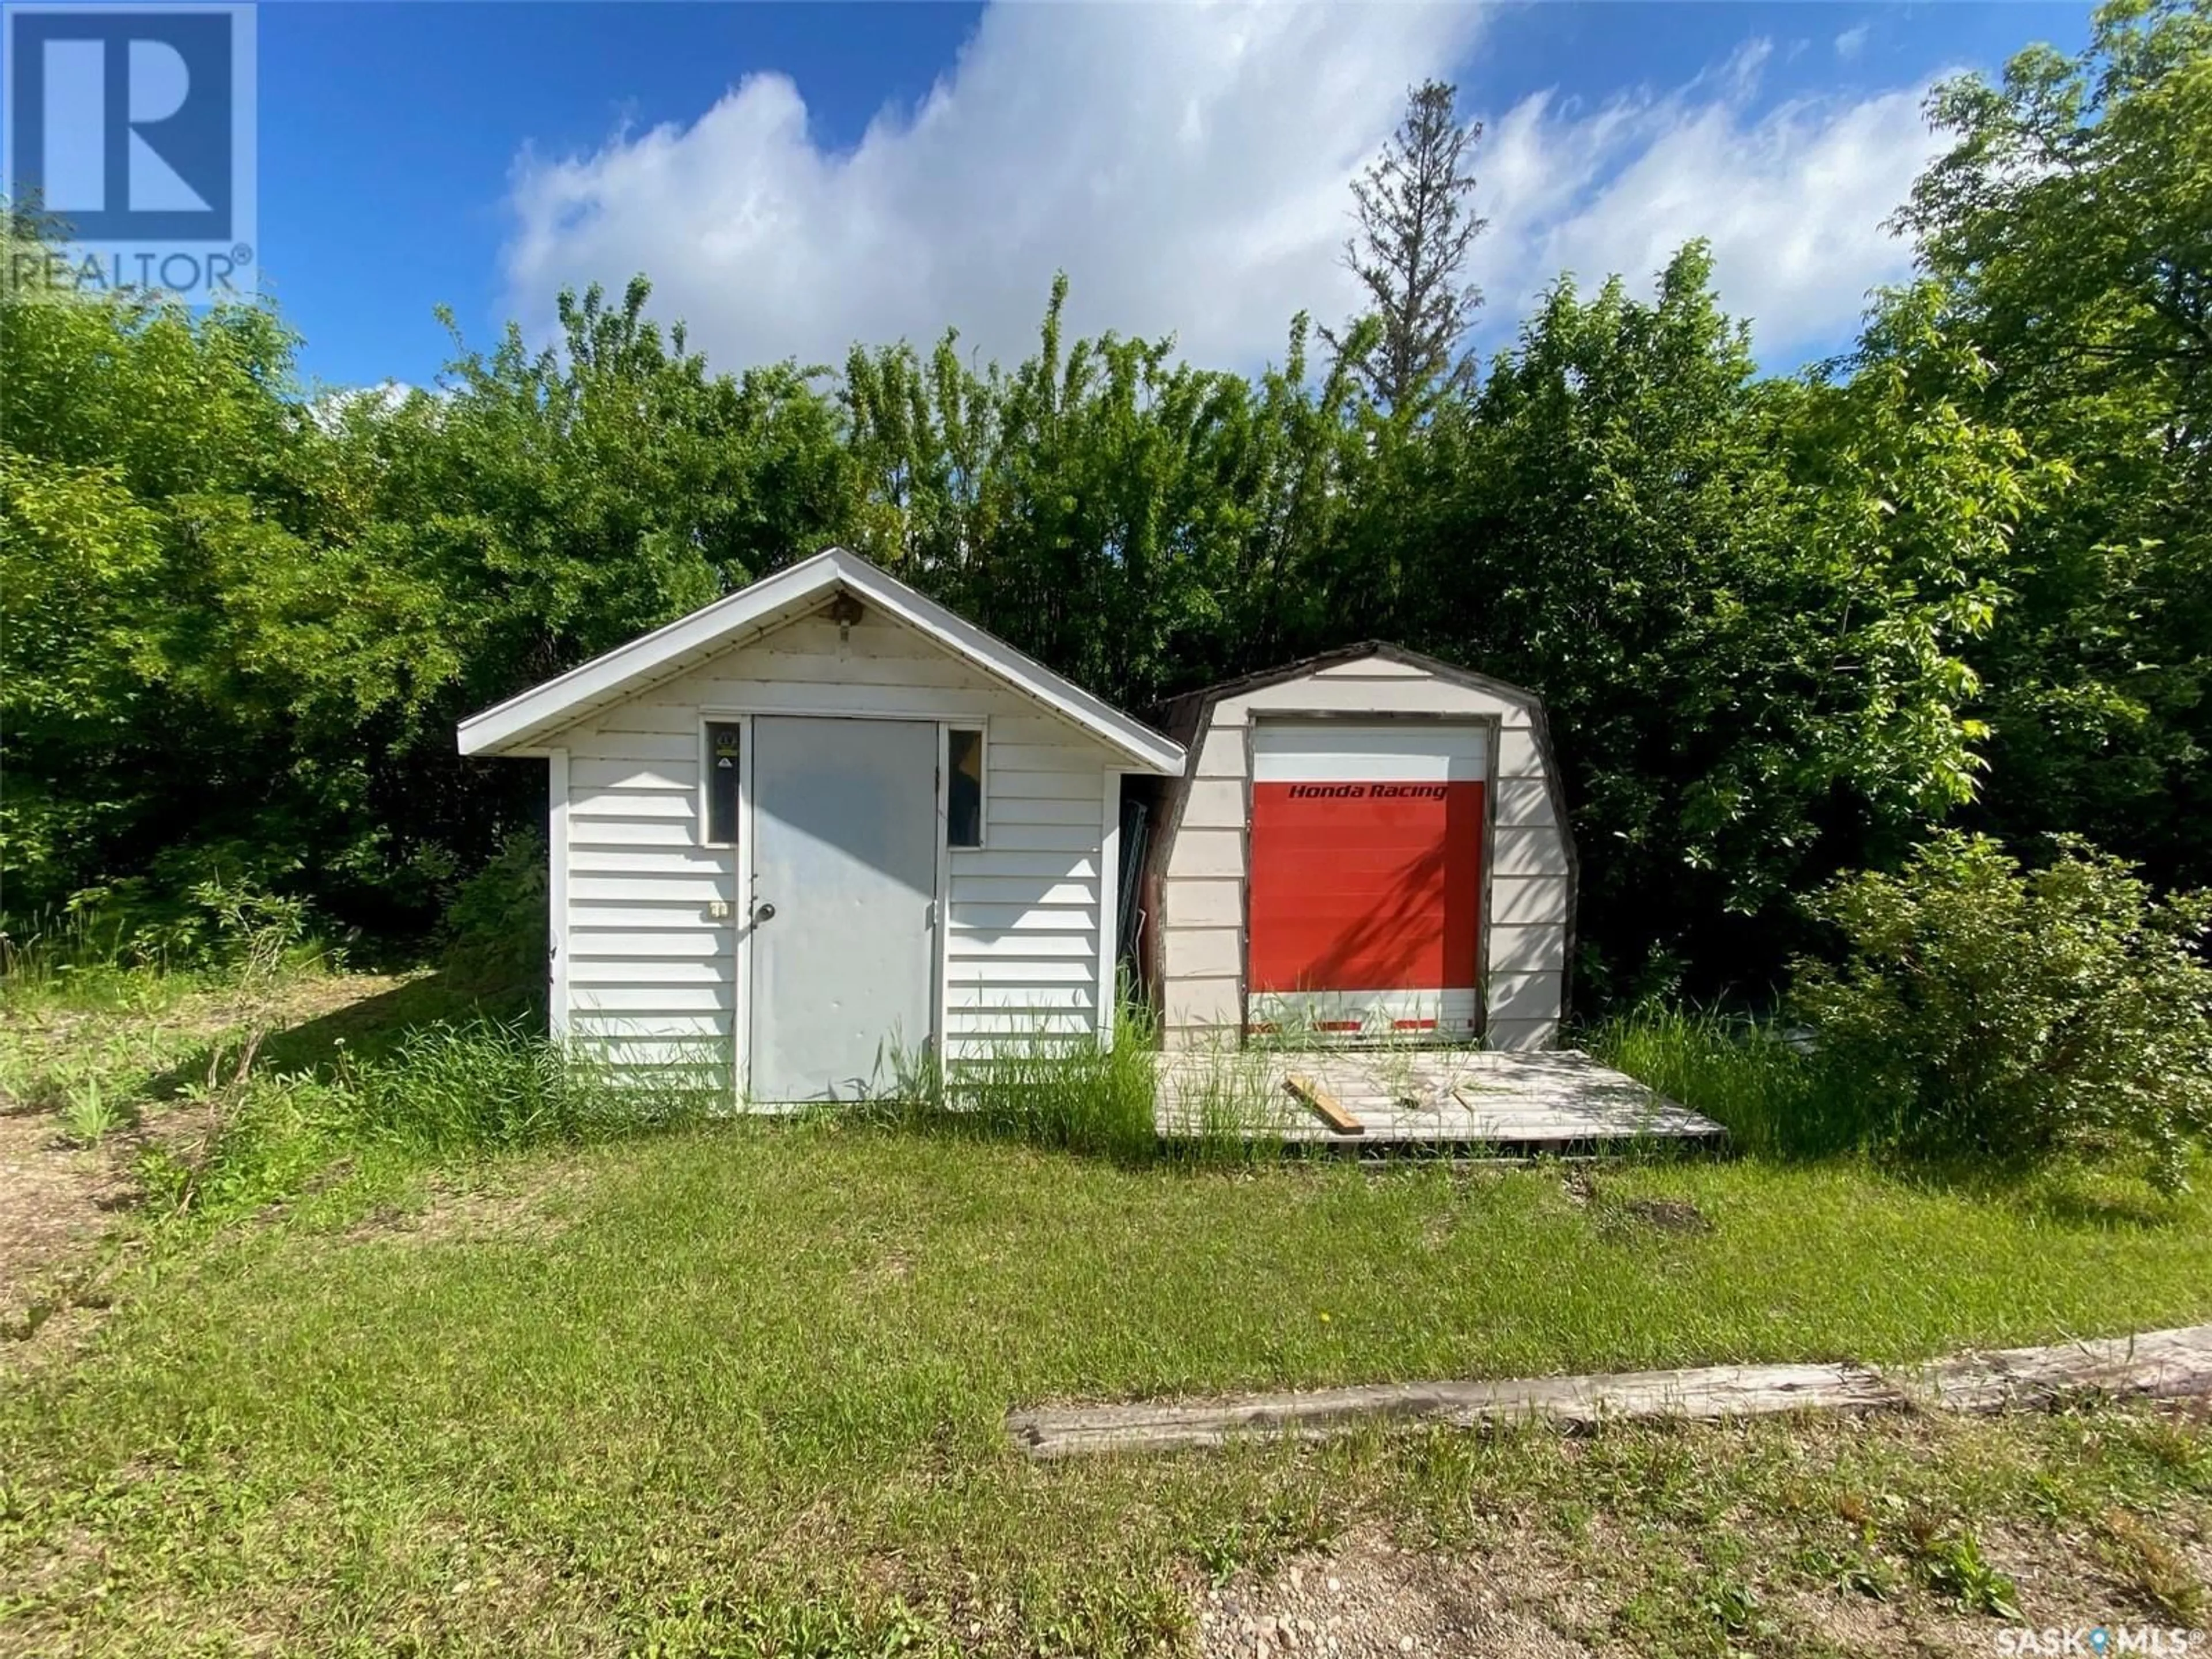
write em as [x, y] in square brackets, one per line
[1416, 226]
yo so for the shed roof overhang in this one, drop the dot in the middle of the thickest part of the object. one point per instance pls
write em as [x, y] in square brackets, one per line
[523, 723]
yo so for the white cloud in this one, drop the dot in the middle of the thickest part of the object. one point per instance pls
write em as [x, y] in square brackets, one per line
[1851, 42]
[1188, 167]
[1186, 164]
[1792, 197]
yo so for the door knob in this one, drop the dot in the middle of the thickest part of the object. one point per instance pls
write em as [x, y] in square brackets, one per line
[764, 913]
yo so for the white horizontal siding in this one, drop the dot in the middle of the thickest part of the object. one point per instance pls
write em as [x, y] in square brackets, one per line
[654, 973]
[1214, 804]
[598, 934]
[622, 1026]
[1524, 996]
[634, 997]
[1044, 837]
[963, 944]
[1521, 1035]
[1023, 783]
[590, 777]
[1206, 854]
[1015, 810]
[707, 863]
[1527, 850]
[1221, 754]
[1013, 967]
[971, 915]
[1518, 755]
[1194, 1012]
[1019, 996]
[695, 891]
[601, 830]
[1023, 890]
[631, 972]
[1396, 695]
[635, 804]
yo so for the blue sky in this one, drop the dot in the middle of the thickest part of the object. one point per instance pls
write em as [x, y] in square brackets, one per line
[797, 177]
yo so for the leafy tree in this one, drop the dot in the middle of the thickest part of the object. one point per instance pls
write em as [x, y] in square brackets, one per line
[2070, 229]
[1743, 602]
[1141, 525]
[561, 501]
[170, 514]
[1415, 228]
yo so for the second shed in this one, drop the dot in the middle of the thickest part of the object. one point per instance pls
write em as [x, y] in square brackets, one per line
[1371, 843]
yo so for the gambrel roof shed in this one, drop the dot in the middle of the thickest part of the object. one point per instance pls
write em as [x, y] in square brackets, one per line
[820, 827]
[1368, 844]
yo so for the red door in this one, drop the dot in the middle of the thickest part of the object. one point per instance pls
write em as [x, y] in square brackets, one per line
[1366, 877]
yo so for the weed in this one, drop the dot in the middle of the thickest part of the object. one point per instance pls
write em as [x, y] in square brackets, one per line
[2151, 1568]
[443, 1092]
[1853, 1572]
[1734, 1606]
[798, 1626]
[90, 1111]
[1956, 1570]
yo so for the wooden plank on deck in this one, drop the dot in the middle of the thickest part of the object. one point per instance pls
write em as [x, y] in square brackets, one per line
[1324, 1103]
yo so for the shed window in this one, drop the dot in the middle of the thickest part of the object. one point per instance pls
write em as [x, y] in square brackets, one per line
[964, 788]
[722, 751]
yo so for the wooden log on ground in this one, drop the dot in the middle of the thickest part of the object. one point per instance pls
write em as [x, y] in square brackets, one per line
[2165, 1363]
[1325, 1104]
[2161, 1364]
[1570, 1401]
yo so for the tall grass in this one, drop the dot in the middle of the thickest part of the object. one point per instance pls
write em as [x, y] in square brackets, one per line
[497, 1084]
[1069, 1093]
[1067, 1096]
[444, 1091]
[1775, 1098]
[1064, 1092]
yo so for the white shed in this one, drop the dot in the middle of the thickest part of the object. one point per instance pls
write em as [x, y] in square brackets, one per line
[1366, 843]
[820, 824]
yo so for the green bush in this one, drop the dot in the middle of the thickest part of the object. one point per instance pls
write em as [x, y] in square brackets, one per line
[494, 937]
[2016, 1014]
[221, 921]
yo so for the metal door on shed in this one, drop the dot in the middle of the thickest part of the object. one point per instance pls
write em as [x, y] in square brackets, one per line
[1363, 912]
[841, 926]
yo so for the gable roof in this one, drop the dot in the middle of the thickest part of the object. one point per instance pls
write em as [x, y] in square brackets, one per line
[513, 726]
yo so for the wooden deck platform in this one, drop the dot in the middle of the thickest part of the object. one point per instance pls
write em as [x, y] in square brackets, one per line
[1457, 1099]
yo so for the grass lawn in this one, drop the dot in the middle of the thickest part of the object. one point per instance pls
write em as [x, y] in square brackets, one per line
[741, 1388]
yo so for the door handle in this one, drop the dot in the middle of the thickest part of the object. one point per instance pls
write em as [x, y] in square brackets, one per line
[763, 913]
